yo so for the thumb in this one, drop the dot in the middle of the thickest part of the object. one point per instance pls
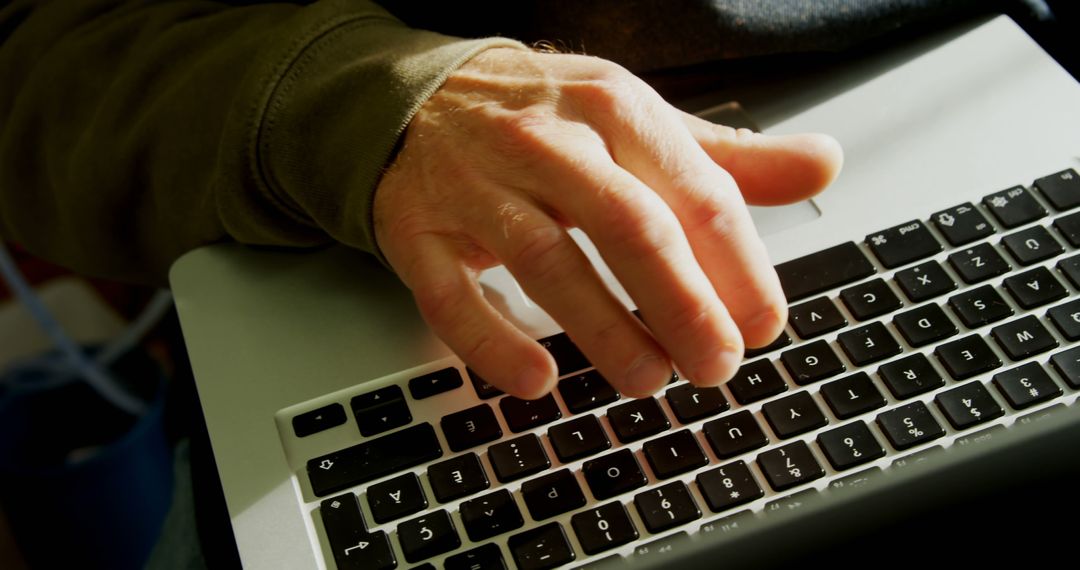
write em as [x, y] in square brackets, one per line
[770, 169]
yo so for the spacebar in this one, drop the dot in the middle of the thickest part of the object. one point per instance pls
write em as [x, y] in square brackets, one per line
[373, 459]
[823, 270]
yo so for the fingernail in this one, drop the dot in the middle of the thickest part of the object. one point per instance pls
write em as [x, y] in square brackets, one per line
[648, 374]
[532, 382]
[768, 319]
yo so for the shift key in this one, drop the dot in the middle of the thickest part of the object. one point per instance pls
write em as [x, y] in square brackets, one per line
[823, 270]
[373, 459]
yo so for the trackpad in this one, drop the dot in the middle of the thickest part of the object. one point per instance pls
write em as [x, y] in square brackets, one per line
[773, 219]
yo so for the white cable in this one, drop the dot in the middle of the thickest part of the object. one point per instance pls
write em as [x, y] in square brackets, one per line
[99, 379]
[155, 310]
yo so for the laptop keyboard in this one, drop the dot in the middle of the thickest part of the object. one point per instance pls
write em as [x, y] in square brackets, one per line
[928, 334]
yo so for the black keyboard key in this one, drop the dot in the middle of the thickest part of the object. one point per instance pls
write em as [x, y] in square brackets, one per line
[1067, 364]
[968, 405]
[613, 474]
[471, 427]
[821, 271]
[811, 362]
[924, 325]
[603, 528]
[728, 486]
[871, 299]
[756, 381]
[792, 415]
[1069, 227]
[396, 498]
[1067, 319]
[666, 507]
[1070, 266]
[789, 503]
[924, 281]
[354, 548]
[731, 523]
[1014, 207]
[850, 446]
[1061, 189]
[734, 434]
[903, 244]
[910, 376]
[457, 477]
[674, 454]
[967, 357]
[427, 536]
[852, 395]
[381, 410]
[915, 458]
[1023, 337]
[868, 344]
[486, 557]
[980, 306]
[373, 459]
[1026, 386]
[522, 415]
[788, 466]
[656, 552]
[857, 479]
[962, 224]
[815, 318]
[1032, 245]
[780, 342]
[909, 425]
[553, 494]
[434, 383]
[586, 391]
[484, 389]
[490, 515]
[691, 403]
[313, 422]
[637, 419]
[1035, 288]
[541, 548]
[979, 263]
[518, 458]
[580, 437]
[568, 357]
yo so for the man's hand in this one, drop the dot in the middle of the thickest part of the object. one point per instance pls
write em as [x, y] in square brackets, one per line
[516, 147]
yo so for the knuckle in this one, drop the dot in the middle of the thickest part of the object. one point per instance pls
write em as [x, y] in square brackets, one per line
[640, 228]
[691, 318]
[438, 301]
[540, 254]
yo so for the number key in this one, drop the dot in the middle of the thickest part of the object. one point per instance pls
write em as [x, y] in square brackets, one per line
[666, 507]
[728, 486]
[603, 528]
[968, 405]
[850, 445]
[790, 465]
[910, 425]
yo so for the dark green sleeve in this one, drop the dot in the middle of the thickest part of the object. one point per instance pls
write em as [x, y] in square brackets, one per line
[132, 132]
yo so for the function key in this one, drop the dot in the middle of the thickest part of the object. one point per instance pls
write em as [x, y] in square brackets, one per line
[586, 391]
[734, 434]
[1067, 319]
[691, 403]
[553, 494]
[924, 281]
[373, 459]
[1023, 337]
[518, 458]
[979, 263]
[1062, 189]
[568, 357]
[968, 405]
[1026, 386]
[962, 224]
[1032, 245]
[728, 486]
[850, 446]
[526, 414]
[903, 244]
[484, 389]
[823, 270]
[967, 357]
[910, 376]
[323, 418]
[1014, 206]
[353, 546]
[852, 395]
[471, 427]
[789, 466]
[1035, 288]
[815, 318]
[780, 342]
[637, 419]
[981, 306]
[868, 344]
[427, 536]
[870, 299]
[381, 410]
[396, 498]
[613, 474]
[603, 528]
[457, 477]
[674, 454]
[666, 507]
[811, 362]
[909, 425]
[655, 553]
[792, 415]
[756, 381]
[486, 557]
[1067, 364]
[490, 515]
[924, 325]
[577, 438]
[542, 548]
[434, 383]
[1069, 226]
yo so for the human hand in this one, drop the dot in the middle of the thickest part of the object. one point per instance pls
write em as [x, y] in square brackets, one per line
[516, 146]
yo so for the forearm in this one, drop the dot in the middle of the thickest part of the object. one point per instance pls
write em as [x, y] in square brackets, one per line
[133, 133]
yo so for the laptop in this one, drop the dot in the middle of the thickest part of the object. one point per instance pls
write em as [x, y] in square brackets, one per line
[929, 368]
